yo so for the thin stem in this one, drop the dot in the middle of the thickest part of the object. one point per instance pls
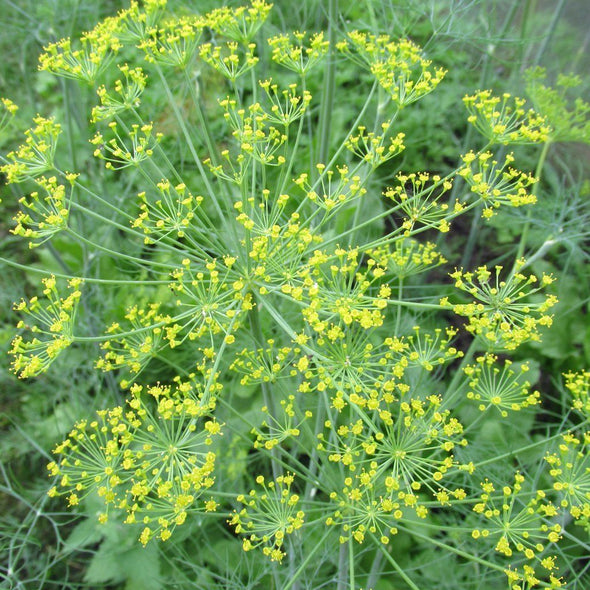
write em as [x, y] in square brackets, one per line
[525, 230]
[398, 319]
[342, 570]
[395, 564]
[303, 565]
[351, 564]
[534, 445]
[189, 142]
[202, 120]
[329, 86]
[58, 275]
[116, 254]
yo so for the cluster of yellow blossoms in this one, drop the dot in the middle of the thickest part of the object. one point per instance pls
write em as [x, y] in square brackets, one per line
[291, 277]
[151, 460]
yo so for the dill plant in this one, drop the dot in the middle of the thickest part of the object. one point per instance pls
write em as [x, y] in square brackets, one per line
[284, 383]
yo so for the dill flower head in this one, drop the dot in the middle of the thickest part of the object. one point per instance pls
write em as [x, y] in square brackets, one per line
[361, 511]
[135, 23]
[398, 65]
[268, 516]
[504, 119]
[409, 257]
[298, 51]
[36, 156]
[578, 384]
[569, 467]
[496, 184]
[517, 522]
[151, 460]
[7, 111]
[568, 116]
[118, 153]
[420, 197]
[44, 214]
[53, 319]
[174, 43]
[89, 59]
[125, 94]
[501, 313]
[499, 387]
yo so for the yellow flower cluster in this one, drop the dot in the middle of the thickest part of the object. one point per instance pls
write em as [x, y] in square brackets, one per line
[117, 155]
[578, 384]
[239, 23]
[136, 23]
[52, 328]
[398, 66]
[175, 42]
[151, 460]
[498, 387]
[418, 196]
[515, 522]
[397, 457]
[496, 184]
[133, 348]
[264, 365]
[210, 299]
[297, 51]
[7, 111]
[504, 119]
[276, 244]
[169, 214]
[37, 154]
[128, 90]
[337, 288]
[332, 192]
[231, 60]
[568, 117]
[97, 48]
[275, 430]
[375, 149]
[569, 468]
[256, 139]
[289, 108]
[360, 511]
[268, 516]
[501, 312]
[408, 258]
[44, 215]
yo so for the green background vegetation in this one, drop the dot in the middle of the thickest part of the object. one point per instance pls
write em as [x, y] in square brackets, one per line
[482, 44]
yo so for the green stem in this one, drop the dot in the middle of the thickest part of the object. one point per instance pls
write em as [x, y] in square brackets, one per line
[550, 31]
[464, 554]
[303, 565]
[351, 564]
[202, 120]
[510, 454]
[341, 569]
[85, 279]
[398, 319]
[116, 254]
[525, 230]
[189, 142]
[329, 85]
[395, 564]
[458, 375]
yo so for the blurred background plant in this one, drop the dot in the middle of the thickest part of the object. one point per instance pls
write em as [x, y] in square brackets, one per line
[481, 45]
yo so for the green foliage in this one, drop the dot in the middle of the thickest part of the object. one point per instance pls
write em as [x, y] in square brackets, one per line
[270, 341]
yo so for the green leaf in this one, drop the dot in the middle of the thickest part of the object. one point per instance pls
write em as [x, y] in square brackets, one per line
[142, 567]
[85, 533]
